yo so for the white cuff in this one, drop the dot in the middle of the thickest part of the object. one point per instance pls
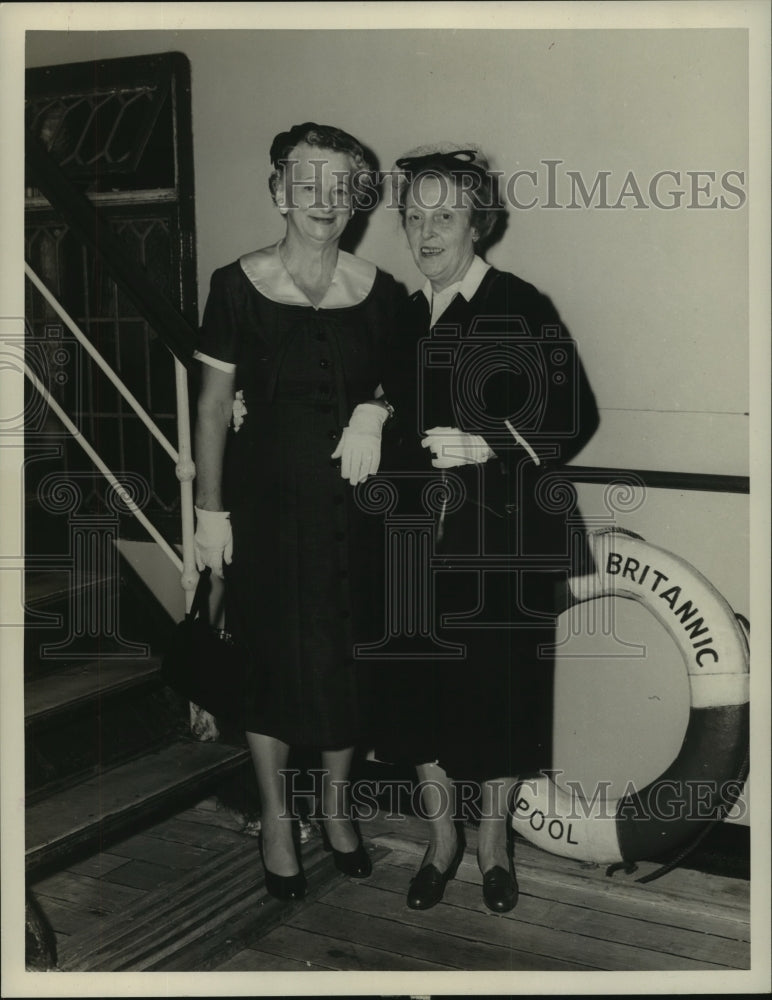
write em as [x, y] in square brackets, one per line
[223, 366]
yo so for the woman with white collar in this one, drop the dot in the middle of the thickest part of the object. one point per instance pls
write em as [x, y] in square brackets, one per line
[293, 341]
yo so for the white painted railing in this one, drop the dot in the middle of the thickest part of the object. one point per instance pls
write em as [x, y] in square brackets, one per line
[182, 456]
[130, 398]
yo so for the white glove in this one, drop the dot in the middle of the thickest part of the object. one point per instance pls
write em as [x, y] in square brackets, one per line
[213, 540]
[239, 410]
[359, 448]
[452, 447]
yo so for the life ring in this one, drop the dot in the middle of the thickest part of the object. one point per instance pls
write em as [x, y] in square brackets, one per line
[706, 776]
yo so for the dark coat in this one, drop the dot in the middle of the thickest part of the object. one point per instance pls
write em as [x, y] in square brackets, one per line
[503, 356]
[505, 537]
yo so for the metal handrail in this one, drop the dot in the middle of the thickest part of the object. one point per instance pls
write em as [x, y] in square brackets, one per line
[119, 488]
[130, 398]
[182, 456]
[185, 470]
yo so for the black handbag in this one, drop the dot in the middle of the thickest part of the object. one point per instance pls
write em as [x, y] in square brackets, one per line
[204, 664]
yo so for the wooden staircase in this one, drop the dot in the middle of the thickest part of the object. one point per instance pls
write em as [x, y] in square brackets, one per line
[108, 748]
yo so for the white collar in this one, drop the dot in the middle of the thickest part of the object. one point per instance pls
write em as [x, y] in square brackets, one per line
[467, 286]
[351, 283]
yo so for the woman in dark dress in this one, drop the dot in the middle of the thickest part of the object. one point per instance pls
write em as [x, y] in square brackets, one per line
[489, 396]
[295, 336]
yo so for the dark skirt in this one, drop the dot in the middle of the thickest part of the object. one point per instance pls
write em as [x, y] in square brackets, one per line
[485, 715]
[299, 588]
[485, 712]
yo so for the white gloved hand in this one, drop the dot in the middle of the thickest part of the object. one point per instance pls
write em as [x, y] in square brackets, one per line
[452, 447]
[213, 540]
[359, 448]
[239, 410]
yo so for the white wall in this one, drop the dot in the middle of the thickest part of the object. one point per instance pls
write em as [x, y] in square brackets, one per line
[657, 299]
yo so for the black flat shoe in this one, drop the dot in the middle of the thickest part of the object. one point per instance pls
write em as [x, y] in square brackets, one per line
[356, 863]
[283, 887]
[428, 886]
[500, 888]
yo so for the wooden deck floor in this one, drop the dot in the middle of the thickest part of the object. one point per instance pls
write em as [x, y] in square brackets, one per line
[187, 895]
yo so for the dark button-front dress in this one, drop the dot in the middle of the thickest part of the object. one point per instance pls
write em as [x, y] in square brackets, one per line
[300, 589]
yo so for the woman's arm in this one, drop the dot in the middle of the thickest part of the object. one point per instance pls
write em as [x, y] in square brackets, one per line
[214, 410]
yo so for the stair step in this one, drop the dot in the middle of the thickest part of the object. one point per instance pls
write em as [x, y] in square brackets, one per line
[113, 801]
[73, 734]
[74, 686]
[72, 621]
[44, 586]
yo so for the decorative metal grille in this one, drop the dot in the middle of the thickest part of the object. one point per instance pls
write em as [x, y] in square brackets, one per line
[80, 129]
[121, 335]
[109, 126]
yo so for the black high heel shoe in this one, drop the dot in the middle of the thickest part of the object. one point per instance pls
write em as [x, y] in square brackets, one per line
[500, 888]
[356, 863]
[428, 886]
[283, 887]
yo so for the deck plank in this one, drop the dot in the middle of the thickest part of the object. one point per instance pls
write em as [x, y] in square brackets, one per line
[534, 927]
[254, 960]
[330, 952]
[243, 926]
[208, 836]
[662, 918]
[142, 875]
[169, 854]
[609, 897]
[141, 927]
[570, 913]
[64, 918]
[167, 927]
[210, 813]
[97, 865]
[389, 929]
[664, 911]
[694, 890]
[685, 885]
[91, 894]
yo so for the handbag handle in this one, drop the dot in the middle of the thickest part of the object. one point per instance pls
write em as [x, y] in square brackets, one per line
[201, 593]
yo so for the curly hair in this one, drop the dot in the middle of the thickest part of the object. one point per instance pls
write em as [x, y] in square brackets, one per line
[470, 174]
[322, 137]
